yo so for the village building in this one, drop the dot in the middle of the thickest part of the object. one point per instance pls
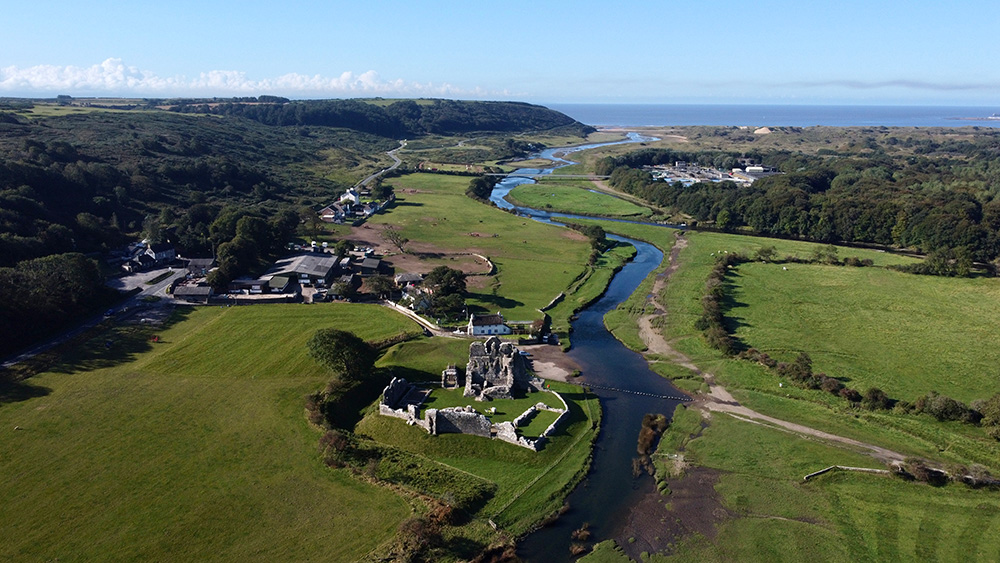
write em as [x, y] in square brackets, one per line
[372, 266]
[487, 325]
[161, 253]
[307, 268]
[250, 286]
[406, 279]
[351, 196]
[199, 267]
[333, 213]
[139, 263]
[199, 293]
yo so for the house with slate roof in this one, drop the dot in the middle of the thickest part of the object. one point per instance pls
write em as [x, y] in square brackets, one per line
[486, 325]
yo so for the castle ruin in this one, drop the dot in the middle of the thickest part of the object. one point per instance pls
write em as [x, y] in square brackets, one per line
[496, 369]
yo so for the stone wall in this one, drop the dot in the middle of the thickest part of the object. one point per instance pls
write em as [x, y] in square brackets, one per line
[465, 420]
[508, 433]
[395, 391]
[526, 416]
[457, 420]
[495, 363]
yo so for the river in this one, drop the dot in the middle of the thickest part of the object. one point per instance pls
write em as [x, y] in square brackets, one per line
[609, 491]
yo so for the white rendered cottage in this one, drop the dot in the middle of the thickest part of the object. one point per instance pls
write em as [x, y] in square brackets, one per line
[486, 325]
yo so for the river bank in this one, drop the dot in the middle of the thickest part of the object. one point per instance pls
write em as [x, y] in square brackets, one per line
[611, 490]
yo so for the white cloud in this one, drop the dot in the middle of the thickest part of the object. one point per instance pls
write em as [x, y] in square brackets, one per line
[114, 77]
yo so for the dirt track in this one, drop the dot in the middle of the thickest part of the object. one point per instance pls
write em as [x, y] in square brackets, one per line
[719, 399]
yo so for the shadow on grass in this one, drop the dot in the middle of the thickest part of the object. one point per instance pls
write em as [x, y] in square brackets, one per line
[17, 391]
[576, 412]
[104, 346]
[464, 548]
[495, 302]
[346, 407]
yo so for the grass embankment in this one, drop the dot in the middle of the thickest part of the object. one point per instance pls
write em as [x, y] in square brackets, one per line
[535, 262]
[572, 196]
[623, 321]
[587, 289]
[192, 448]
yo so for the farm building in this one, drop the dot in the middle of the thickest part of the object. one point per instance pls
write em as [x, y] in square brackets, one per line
[309, 267]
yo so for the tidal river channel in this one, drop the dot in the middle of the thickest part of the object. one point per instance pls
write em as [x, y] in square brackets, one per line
[606, 496]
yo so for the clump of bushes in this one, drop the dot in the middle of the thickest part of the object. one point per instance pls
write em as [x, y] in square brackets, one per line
[755, 355]
[712, 320]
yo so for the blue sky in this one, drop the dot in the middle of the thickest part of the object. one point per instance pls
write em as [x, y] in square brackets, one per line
[667, 51]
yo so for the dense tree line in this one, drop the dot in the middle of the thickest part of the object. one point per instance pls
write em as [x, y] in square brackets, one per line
[247, 243]
[481, 187]
[945, 203]
[39, 296]
[406, 118]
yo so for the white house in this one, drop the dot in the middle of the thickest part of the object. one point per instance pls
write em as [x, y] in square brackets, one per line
[352, 196]
[161, 253]
[484, 325]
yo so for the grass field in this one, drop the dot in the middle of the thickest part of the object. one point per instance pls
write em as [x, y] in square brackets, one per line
[535, 261]
[574, 197]
[771, 514]
[903, 333]
[774, 516]
[530, 484]
[194, 448]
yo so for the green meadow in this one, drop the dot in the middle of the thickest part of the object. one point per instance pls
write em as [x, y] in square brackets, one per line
[569, 196]
[903, 333]
[535, 262]
[194, 448]
[772, 515]
[871, 326]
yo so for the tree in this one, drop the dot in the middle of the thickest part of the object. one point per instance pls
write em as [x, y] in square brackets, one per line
[342, 352]
[825, 254]
[382, 191]
[396, 238]
[381, 285]
[876, 399]
[445, 281]
[448, 305]
[481, 188]
[722, 219]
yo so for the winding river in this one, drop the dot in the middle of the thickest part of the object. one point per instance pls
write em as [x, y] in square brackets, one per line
[609, 491]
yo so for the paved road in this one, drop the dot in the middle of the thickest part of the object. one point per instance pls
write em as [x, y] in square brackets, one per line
[395, 165]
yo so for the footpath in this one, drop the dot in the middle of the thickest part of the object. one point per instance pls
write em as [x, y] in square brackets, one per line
[718, 399]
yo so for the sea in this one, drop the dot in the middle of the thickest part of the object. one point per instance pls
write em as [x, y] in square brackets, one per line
[654, 115]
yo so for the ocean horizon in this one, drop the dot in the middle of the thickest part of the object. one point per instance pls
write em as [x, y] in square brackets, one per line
[775, 115]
